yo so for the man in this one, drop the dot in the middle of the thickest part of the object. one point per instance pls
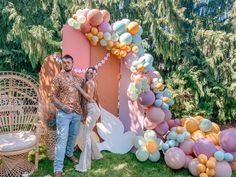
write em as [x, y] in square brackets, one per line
[67, 100]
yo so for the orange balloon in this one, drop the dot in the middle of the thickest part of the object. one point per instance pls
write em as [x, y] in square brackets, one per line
[203, 175]
[89, 35]
[122, 45]
[210, 172]
[100, 35]
[201, 168]
[213, 159]
[94, 30]
[140, 67]
[211, 164]
[191, 125]
[117, 51]
[110, 44]
[165, 99]
[159, 86]
[123, 53]
[74, 17]
[93, 43]
[215, 128]
[183, 121]
[179, 129]
[198, 118]
[151, 146]
[128, 49]
[117, 45]
[202, 158]
[213, 137]
[133, 28]
[197, 135]
[113, 50]
[135, 49]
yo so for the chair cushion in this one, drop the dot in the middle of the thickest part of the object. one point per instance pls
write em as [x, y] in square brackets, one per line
[17, 141]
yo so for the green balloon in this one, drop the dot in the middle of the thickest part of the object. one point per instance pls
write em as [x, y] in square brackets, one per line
[150, 135]
[154, 157]
[138, 142]
[142, 154]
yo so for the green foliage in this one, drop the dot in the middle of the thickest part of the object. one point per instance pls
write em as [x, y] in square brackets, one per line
[196, 55]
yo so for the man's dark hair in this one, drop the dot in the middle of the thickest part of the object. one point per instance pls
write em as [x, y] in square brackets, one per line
[68, 57]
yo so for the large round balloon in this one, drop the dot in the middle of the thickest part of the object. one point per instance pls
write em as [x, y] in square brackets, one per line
[155, 115]
[119, 27]
[192, 167]
[204, 146]
[85, 27]
[175, 158]
[94, 17]
[162, 128]
[146, 98]
[106, 15]
[187, 146]
[85, 12]
[188, 159]
[227, 140]
[191, 125]
[168, 114]
[223, 169]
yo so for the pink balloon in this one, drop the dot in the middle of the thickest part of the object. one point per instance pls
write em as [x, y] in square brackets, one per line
[106, 15]
[86, 27]
[187, 146]
[94, 17]
[171, 123]
[223, 169]
[204, 146]
[192, 167]
[129, 58]
[85, 12]
[156, 115]
[168, 114]
[162, 128]
[149, 125]
[227, 140]
[233, 166]
[146, 98]
[188, 159]
[175, 158]
[105, 27]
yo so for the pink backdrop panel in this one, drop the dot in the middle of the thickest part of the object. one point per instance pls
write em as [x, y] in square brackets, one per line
[75, 44]
[108, 79]
[129, 112]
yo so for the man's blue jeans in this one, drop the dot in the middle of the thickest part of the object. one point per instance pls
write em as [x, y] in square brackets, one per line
[67, 131]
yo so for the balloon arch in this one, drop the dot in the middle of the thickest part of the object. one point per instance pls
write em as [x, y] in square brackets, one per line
[126, 76]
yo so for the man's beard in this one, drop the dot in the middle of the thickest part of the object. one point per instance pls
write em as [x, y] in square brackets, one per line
[67, 70]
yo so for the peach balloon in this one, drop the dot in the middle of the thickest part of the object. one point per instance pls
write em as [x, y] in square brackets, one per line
[202, 158]
[94, 17]
[197, 135]
[213, 137]
[106, 15]
[215, 128]
[191, 125]
[85, 27]
[201, 168]
[156, 115]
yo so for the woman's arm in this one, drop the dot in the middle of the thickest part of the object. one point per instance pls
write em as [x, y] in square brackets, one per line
[86, 95]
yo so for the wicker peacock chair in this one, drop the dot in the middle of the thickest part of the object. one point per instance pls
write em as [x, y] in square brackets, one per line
[19, 131]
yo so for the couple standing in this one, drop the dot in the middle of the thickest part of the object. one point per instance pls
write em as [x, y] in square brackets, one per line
[72, 102]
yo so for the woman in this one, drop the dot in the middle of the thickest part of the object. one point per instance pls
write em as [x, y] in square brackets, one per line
[90, 149]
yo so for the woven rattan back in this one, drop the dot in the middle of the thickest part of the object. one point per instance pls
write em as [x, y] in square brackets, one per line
[19, 99]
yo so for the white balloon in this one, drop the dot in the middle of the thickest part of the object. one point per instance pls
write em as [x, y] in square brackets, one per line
[70, 21]
[107, 36]
[79, 12]
[81, 19]
[103, 42]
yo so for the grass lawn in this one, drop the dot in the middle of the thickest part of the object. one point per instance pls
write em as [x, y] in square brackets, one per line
[114, 165]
